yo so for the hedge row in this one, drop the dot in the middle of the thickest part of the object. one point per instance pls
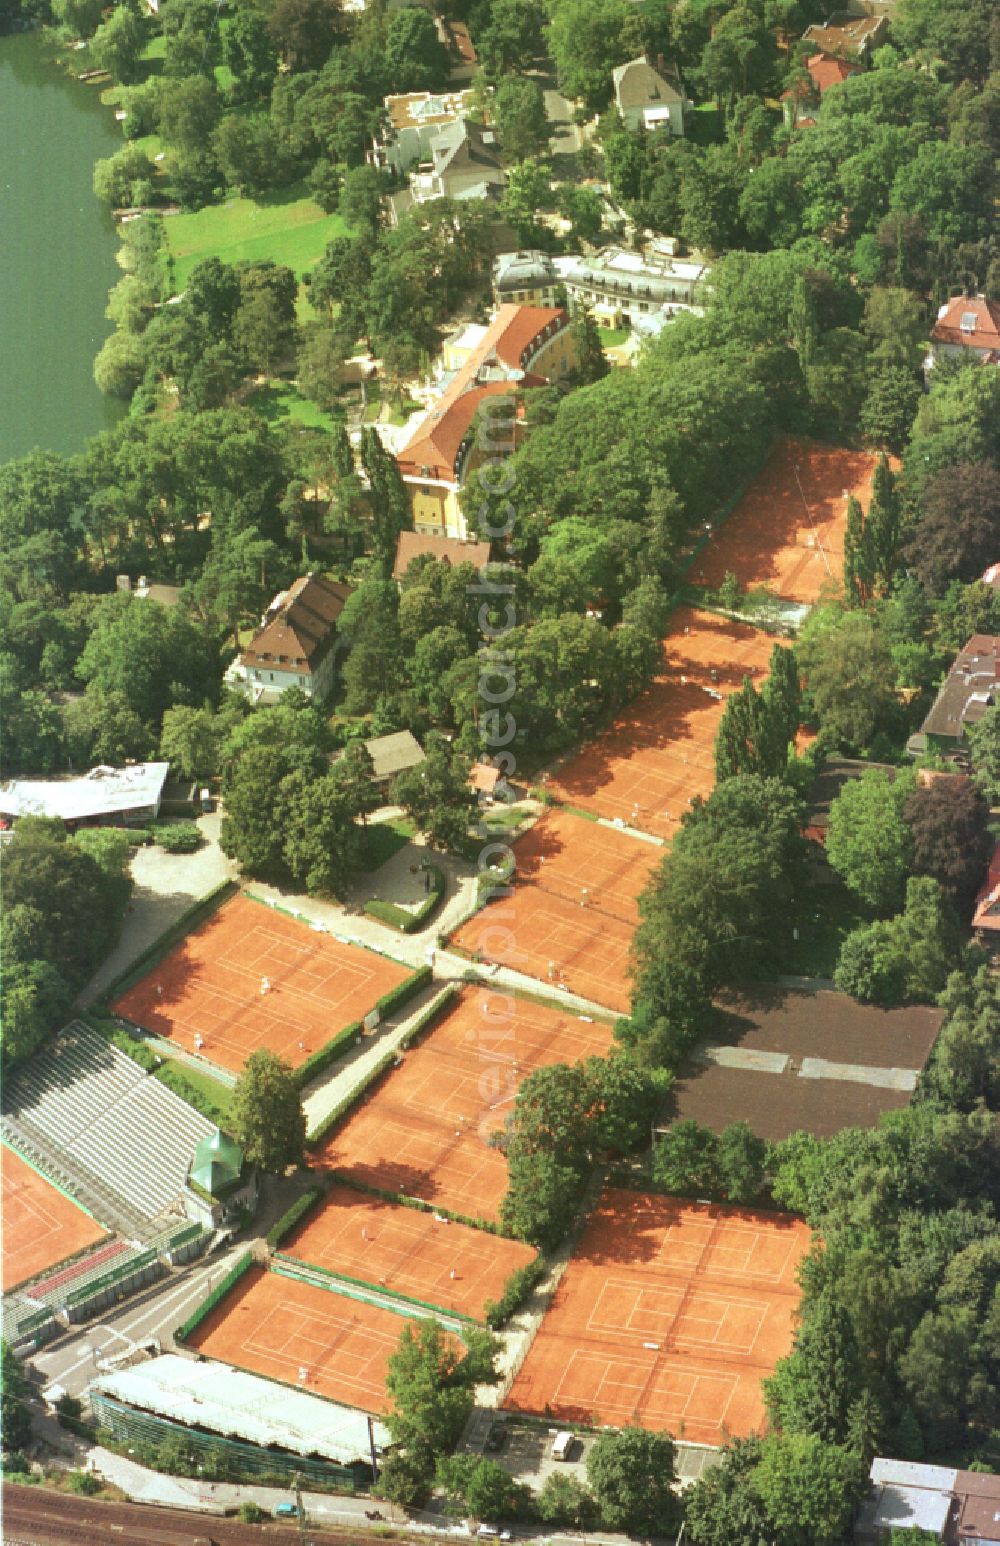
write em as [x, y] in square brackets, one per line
[218, 1293]
[516, 1291]
[421, 1023]
[388, 912]
[388, 1293]
[182, 926]
[293, 1215]
[342, 1107]
[429, 1015]
[406, 990]
[400, 917]
[348, 1178]
[328, 1053]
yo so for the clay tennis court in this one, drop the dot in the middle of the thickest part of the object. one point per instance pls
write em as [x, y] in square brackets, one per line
[319, 1340]
[424, 1130]
[574, 909]
[41, 1226]
[411, 1252]
[583, 861]
[787, 532]
[207, 994]
[669, 1316]
[657, 757]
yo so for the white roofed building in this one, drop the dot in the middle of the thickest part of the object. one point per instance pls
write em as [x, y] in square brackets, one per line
[103, 797]
[410, 123]
[618, 287]
[265, 1428]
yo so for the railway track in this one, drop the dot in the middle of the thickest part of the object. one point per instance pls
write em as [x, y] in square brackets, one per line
[36, 1516]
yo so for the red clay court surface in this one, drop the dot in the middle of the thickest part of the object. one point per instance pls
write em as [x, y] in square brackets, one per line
[40, 1226]
[408, 1252]
[574, 909]
[669, 1316]
[788, 538]
[423, 1131]
[658, 757]
[281, 1328]
[210, 987]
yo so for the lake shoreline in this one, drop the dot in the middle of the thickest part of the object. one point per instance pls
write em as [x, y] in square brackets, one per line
[63, 263]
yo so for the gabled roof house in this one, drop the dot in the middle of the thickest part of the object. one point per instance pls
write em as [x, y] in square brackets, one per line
[294, 646]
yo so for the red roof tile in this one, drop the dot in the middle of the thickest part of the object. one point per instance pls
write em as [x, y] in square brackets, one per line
[987, 913]
[982, 317]
[509, 339]
[826, 71]
[301, 631]
[449, 550]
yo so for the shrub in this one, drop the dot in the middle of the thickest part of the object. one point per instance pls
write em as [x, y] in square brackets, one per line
[406, 990]
[516, 1292]
[293, 1215]
[179, 837]
[327, 1054]
[251, 1513]
[84, 1482]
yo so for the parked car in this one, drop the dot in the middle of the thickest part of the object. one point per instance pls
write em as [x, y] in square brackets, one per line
[562, 1445]
[287, 1511]
[497, 1436]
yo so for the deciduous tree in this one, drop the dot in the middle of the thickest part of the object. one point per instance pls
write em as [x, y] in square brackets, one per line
[630, 1473]
[436, 794]
[868, 841]
[518, 109]
[268, 1120]
[949, 828]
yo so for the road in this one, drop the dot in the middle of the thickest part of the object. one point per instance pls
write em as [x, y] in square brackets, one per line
[566, 138]
[156, 1312]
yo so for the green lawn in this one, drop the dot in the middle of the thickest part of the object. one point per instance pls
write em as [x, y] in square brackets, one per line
[280, 400]
[206, 1094]
[611, 337]
[285, 227]
[386, 838]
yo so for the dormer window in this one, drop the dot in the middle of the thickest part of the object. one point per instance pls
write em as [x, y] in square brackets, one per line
[968, 322]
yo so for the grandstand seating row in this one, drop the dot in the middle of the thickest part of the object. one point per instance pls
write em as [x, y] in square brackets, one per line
[95, 1117]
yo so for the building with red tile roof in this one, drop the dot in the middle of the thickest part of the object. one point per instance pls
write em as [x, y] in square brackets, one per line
[824, 71]
[967, 323]
[523, 346]
[447, 550]
[294, 645]
[986, 915]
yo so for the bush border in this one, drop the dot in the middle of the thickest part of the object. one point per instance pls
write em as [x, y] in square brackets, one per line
[400, 917]
[284, 1258]
[423, 1020]
[171, 936]
[517, 1290]
[294, 1215]
[218, 1293]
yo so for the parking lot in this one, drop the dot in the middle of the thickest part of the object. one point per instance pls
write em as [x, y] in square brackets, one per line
[526, 1453]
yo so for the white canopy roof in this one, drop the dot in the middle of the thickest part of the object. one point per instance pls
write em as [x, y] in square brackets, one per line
[101, 792]
[243, 1406]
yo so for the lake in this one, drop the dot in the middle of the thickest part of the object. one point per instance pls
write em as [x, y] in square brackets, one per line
[57, 252]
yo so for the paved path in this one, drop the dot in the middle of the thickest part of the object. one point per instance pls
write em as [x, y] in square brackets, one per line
[166, 885]
[321, 1508]
[353, 1071]
[71, 1361]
